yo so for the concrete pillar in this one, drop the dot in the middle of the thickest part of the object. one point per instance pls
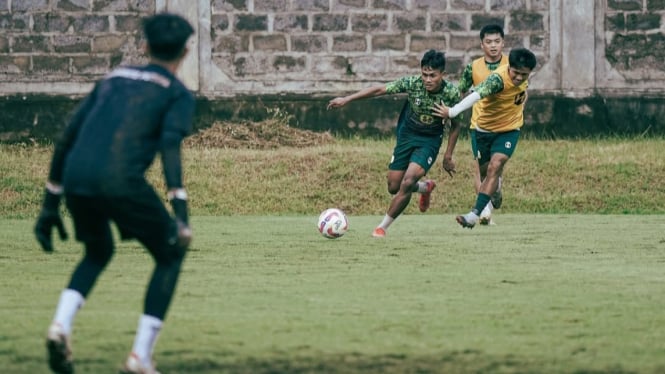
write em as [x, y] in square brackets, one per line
[578, 48]
[189, 70]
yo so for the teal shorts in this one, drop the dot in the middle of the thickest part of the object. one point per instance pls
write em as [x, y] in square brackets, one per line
[484, 144]
[411, 147]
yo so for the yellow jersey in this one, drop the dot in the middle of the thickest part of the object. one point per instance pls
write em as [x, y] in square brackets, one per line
[480, 70]
[500, 110]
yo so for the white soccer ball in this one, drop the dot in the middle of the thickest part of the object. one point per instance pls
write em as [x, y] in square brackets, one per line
[333, 223]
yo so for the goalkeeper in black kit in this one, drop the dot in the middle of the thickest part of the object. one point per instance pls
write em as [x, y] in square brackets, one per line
[99, 167]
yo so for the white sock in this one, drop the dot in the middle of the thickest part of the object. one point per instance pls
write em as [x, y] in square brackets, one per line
[70, 302]
[487, 211]
[387, 220]
[422, 187]
[146, 336]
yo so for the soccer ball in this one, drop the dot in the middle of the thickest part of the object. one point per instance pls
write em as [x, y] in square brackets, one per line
[333, 223]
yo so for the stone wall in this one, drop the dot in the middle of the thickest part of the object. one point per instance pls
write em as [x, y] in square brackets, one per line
[258, 54]
[276, 46]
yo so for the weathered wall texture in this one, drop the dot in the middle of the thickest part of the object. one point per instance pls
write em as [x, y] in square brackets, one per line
[253, 54]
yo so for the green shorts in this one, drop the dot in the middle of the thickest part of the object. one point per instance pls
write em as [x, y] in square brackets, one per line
[484, 144]
[411, 147]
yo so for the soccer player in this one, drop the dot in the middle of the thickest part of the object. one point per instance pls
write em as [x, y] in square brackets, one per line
[491, 43]
[99, 165]
[419, 133]
[500, 100]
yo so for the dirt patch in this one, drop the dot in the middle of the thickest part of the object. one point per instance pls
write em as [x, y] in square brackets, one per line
[267, 134]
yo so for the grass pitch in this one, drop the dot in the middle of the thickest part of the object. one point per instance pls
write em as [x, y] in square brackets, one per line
[268, 294]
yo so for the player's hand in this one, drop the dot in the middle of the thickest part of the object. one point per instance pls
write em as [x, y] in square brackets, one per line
[44, 228]
[179, 204]
[440, 110]
[184, 234]
[449, 166]
[336, 103]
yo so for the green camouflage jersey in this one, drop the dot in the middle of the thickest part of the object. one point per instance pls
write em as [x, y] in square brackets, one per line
[466, 81]
[418, 115]
[493, 84]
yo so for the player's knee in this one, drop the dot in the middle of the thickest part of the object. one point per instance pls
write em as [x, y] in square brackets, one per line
[496, 166]
[173, 254]
[409, 184]
[99, 252]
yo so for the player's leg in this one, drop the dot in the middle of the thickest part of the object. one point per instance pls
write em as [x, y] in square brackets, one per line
[479, 174]
[501, 148]
[425, 156]
[505, 144]
[394, 179]
[491, 181]
[497, 196]
[92, 228]
[408, 185]
[481, 145]
[145, 218]
[399, 162]
[422, 157]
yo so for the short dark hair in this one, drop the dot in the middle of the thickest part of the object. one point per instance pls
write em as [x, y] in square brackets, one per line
[522, 58]
[491, 29]
[434, 59]
[167, 35]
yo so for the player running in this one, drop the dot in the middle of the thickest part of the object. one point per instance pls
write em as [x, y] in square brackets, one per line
[419, 133]
[500, 100]
[491, 43]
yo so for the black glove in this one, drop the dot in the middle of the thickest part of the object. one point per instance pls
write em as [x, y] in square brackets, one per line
[182, 220]
[49, 217]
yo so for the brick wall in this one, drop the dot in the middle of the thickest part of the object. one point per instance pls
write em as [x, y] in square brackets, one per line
[273, 45]
[68, 40]
[635, 40]
[301, 52]
[314, 46]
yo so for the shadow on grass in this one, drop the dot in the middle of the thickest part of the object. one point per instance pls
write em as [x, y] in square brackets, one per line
[468, 361]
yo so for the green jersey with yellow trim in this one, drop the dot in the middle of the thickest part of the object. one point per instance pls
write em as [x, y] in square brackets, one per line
[419, 116]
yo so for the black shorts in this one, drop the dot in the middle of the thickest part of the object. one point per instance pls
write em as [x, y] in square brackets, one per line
[142, 216]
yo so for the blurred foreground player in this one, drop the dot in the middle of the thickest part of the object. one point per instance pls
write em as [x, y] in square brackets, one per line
[99, 165]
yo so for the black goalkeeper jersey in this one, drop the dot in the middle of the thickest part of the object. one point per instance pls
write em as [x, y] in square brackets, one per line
[131, 115]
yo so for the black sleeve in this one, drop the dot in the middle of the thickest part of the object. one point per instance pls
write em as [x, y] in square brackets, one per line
[177, 124]
[68, 137]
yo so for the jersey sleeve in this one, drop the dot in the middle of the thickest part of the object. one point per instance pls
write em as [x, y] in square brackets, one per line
[177, 124]
[69, 135]
[466, 81]
[493, 84]
[399, 86]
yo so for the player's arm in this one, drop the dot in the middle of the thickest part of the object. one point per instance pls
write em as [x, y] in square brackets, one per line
[371, 91]
[453, 134]
[68, 137]
[177, 124]
[466, 80]
[490, 86]
[49, 216]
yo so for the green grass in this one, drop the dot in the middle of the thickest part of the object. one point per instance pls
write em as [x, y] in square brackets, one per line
[266, 294]
[262, 292]
[608, 176]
